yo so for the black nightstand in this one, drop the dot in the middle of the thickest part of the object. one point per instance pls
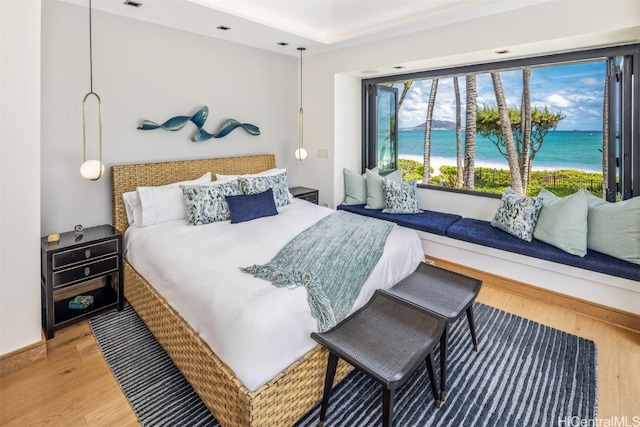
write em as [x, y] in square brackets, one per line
[86, 264]
[304, 193]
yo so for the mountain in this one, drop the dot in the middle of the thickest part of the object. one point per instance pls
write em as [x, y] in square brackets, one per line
[435, 125]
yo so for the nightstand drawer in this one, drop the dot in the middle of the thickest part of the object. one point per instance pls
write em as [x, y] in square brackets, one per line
[62, 259]
[304, 193]
[85, 271]
[311, 197]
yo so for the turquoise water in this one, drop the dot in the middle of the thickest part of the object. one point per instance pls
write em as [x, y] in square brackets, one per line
[560, 150]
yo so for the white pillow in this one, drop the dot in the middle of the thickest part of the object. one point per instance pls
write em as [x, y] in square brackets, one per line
[132, 206]
[269, 172]
[148, 206]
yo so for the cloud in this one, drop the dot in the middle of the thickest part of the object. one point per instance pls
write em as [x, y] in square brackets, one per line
[591, 81]
[559, 101]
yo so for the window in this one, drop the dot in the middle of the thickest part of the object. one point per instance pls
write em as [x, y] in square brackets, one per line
[562, 122]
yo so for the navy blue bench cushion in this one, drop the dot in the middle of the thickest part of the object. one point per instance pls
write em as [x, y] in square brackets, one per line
[482, 233]
[429, 221]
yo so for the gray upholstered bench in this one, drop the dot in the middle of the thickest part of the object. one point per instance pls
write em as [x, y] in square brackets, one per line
[387, 339]
[446, 294]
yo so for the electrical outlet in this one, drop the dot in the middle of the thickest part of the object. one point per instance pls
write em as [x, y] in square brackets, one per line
[323, 153]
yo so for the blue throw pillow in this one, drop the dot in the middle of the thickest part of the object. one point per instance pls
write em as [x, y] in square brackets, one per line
[251, 206]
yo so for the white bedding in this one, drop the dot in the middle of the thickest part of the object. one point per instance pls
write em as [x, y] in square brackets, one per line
[258, 330]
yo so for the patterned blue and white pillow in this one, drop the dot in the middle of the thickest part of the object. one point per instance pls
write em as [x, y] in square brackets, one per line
[400, 197]
[517, 215]
[206, 203]
[260, 184]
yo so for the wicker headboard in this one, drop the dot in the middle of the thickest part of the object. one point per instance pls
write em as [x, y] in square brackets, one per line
[128, 177]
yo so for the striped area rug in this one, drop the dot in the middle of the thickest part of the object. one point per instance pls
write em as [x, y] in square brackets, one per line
[524, 374]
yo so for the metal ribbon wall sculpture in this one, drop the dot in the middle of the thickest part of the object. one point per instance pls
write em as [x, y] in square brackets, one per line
[178, 122]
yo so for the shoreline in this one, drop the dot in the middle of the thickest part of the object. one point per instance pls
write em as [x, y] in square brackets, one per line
[436, 162]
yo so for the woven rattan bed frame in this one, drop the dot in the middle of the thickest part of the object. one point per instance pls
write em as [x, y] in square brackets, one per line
[280, 402]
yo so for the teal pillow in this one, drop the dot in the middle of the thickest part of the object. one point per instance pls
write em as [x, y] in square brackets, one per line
[614, 228]
[517, 215]
[355, 188]
[400, 197]
[562, 222]
[375, 193]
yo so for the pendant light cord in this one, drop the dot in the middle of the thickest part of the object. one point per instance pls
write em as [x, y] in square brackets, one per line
[90, 51]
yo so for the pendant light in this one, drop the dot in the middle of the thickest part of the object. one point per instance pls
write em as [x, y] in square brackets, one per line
[300, 153]
[91, 169]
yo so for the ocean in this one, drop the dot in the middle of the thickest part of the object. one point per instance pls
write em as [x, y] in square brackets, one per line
[560, 150]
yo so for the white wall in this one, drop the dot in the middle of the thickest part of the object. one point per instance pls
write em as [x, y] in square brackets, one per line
[19, 174]
[549, 27]
[145, 71]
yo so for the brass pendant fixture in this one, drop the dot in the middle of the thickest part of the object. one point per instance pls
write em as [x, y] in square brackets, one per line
[91, 169]
[301, 153]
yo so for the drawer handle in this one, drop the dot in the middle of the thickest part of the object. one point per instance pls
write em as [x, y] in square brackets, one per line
[87, 271]
[87, 253]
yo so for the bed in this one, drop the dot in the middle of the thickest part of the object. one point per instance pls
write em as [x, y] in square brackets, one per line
[234, 396]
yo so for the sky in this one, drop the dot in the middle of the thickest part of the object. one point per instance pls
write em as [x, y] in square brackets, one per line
[574, 90]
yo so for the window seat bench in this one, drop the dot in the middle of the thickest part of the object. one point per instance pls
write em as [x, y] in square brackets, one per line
[482, 233]
[596, 277]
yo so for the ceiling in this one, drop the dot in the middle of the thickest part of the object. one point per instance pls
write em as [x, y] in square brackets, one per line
[318, 25]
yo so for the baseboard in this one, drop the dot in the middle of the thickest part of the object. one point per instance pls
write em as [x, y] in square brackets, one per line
[587, 308]
[22, 357]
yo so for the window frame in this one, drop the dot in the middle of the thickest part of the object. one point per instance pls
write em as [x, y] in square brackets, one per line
[370, 129]
[627, 103]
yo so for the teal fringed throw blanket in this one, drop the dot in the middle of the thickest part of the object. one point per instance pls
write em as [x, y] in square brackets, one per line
[332, 259]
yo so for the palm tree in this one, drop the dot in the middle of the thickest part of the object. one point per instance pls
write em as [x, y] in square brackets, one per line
[470, 132]
[507, 132]
[427, 132]
[525, 128]
[456, 88]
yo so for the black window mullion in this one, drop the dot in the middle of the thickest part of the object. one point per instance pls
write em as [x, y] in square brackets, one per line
[613, 82]
[635, 125]
[626, 110]
[370, 118]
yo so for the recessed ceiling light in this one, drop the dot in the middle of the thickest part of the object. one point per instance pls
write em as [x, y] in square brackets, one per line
[283, 44]
[370, 71]
[223, 27]
[132, 3]
[502, 52]
[398, 67]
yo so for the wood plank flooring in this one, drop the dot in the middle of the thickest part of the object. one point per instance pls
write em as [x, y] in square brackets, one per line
[74, 387]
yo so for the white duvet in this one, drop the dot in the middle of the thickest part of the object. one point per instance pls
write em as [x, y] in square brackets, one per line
[258, 330]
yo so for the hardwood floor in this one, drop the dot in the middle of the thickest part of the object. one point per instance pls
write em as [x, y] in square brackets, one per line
[74, 387]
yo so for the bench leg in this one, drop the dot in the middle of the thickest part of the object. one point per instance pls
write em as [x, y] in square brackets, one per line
[387, 407]
[472, 327]
[332, 363]
[432, 378]
[444, 348]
